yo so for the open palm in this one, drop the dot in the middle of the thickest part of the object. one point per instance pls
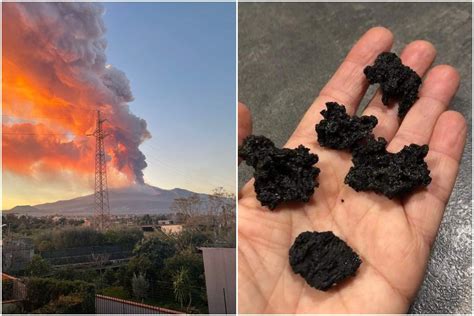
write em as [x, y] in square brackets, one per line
[392, 237]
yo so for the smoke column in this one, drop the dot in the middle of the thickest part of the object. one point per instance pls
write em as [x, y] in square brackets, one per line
[55, 78]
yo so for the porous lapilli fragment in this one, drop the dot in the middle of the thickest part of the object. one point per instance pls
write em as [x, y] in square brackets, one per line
[323, 259]
[396, 80]
[281, 174]
[338, 130]
[390, 174]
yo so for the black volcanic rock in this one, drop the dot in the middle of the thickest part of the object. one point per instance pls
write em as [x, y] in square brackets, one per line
[391, 174]
[281, 174]
[323, 259]
[338, 130]
[396, 80]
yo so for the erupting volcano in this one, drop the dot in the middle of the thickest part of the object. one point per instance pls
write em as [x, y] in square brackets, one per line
[55, 78]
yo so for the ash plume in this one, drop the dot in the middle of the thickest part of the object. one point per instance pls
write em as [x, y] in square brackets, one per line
[55, 78]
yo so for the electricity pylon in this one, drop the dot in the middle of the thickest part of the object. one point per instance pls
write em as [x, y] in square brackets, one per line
[101, 194]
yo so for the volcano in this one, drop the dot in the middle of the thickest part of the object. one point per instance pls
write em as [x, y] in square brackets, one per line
[133, 200]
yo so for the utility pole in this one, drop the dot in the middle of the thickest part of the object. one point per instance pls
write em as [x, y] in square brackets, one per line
[101, 195]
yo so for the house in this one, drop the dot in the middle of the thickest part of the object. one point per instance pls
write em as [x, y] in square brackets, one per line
[165, 222]
[87, 222]
[171, 229]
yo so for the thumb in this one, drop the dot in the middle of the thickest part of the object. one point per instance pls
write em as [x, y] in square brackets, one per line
[245, 123]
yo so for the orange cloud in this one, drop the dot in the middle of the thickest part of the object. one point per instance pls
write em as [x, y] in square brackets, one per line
[55, 78]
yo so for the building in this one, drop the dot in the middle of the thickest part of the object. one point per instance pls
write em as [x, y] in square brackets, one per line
[87, 223]
[220, 274]
[171, 229]
[165, 222]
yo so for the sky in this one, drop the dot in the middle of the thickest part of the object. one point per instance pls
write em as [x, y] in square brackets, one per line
[180, 61]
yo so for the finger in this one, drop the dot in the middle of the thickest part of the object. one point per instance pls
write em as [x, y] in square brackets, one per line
[418, 55]
[425, 209]
[348, 85]
[244, 122]
[437, 91]
[244, 118]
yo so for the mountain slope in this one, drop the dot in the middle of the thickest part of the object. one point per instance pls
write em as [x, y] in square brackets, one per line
[137, 199]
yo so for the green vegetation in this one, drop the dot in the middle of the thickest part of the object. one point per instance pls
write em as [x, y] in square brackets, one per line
[83, 237]
[47, 295]
[181, 289]
[164, 270]
[72, 262]
[64, 304]
[28, 225]
[140, 286]
[38, 267]
[71, 274]
[161, 273]
[115, 291]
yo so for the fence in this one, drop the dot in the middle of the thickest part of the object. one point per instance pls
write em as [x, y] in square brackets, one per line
[16, 254]
[86, 254]
[111, 305]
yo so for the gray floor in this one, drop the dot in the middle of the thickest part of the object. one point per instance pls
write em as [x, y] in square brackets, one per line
[287, 52]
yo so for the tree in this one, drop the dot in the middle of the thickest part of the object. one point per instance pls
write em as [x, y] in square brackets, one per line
[137, 265]
[109, 277]
[140, 286]
[100, 260]
[181, 288]
[70, 238]
[38, 267]
[189, 206]
[221, 202]
[45, 245]
[190, 237]
[222, 210]
[147, 220]
[156, 249]
[150, 255]
[192, 262]
[124, 236]
[190, 259]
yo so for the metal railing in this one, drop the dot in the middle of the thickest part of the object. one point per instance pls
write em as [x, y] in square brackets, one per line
[111, 305]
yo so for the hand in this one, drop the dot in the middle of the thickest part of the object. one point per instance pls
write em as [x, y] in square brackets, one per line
[392, 237]
[245, 122]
